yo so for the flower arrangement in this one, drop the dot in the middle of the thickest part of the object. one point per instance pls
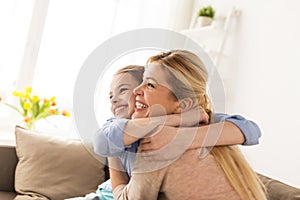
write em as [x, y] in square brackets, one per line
[34, 108]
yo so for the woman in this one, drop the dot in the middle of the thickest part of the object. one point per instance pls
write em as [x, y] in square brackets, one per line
[176, 81]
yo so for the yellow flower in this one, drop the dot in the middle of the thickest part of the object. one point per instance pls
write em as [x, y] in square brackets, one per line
[66, 113]
[16, 93]
[28, 89]
[35, 98]
[27, 106]
[27, 95]
[52, 99]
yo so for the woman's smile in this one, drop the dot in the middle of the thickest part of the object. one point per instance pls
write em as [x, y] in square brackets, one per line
[153, 96]
[139, 105]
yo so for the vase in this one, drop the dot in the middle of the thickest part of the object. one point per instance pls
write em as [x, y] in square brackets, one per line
[203, 21]
[30, 125]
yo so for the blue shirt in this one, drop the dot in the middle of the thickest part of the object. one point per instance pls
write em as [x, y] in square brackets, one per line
[108, 140]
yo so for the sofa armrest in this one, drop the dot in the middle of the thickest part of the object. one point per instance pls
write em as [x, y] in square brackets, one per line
[278, 190]
[8, 163]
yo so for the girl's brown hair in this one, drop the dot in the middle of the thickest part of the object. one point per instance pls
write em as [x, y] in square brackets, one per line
[136, 71]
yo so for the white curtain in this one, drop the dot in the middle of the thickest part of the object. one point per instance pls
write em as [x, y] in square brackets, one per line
[74, 28]
[15, 18]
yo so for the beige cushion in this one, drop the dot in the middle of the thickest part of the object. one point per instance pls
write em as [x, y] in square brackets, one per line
[54, 168]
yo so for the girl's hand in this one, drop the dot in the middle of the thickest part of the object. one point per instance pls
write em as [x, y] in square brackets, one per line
[167, 144]
[159, 139]
[194, 117]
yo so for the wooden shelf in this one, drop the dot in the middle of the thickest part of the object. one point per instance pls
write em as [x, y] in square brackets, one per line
[213, 37]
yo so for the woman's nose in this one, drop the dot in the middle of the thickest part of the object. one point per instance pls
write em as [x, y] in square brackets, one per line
[138, 90]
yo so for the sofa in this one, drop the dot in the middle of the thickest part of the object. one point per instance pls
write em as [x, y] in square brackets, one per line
[44, 167]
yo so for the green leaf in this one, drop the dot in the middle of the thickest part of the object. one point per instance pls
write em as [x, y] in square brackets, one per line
[207, 12]
[35, 109]
[15, 108]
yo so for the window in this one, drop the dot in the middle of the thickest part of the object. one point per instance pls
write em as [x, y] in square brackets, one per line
[14, 20]
[71, 31]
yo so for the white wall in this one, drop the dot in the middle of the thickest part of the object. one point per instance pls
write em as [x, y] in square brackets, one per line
[262, 82]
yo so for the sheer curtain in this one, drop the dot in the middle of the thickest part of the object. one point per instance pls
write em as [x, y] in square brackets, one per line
[15, 16]
[73, 29]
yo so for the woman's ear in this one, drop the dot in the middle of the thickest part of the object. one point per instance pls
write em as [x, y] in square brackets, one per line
[184, 105]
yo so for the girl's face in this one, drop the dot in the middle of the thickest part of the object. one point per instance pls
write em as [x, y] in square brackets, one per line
[154, 96]
[121, 95]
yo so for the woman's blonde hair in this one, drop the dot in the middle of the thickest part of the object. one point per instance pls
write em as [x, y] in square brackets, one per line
[187, 76]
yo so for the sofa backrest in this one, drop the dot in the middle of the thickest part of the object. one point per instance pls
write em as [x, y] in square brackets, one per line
[8, 163]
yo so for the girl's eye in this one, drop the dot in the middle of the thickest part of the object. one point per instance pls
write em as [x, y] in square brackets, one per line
[110, 96]
[122, 90]
[150, 85]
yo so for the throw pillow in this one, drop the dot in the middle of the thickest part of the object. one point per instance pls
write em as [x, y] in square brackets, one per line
[54, 168]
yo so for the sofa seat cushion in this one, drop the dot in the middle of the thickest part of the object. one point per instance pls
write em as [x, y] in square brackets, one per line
[8, 162]
[54, 168]
[7, 195]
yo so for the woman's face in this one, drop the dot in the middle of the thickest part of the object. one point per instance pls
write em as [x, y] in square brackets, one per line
[121, 95]
[154, 96]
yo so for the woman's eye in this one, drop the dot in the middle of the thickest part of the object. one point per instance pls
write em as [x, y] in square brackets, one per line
[110, 96]
[150, 85]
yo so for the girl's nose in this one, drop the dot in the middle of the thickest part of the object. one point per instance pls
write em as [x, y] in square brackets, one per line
[113, 100]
